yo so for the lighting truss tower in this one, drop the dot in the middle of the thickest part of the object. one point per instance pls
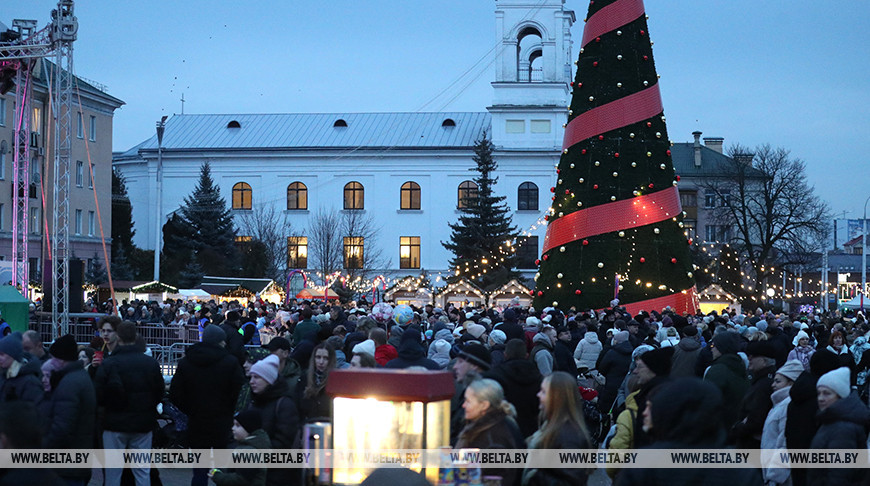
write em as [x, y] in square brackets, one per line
[55, 39]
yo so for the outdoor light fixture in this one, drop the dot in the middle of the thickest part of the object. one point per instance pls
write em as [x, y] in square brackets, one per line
[770, 292]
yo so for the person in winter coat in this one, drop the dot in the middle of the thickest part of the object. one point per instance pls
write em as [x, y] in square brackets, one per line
[686, 414]
[20, 428]
[803, 351]
[312, 400]
[384, 352]
[843, 423]
[274, 401]
[205, 387]
[490, 424]
[472, 361]
[563, 427]
[411, 352]
[773, 435]
[520, 379]
[837, 345]
[686, 353]
[757, 401]
[542, 352]
[129, 386]
[614, 367]
[21, 377]
[497, 339]
[439, 352]
[563, 356]
[801, 425]
[234, 342]
[587, 351]
[728, 374]
[510, 325]
[249, 434]
[861, 357]
[70, 411]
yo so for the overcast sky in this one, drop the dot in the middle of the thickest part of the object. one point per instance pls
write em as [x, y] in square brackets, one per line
[792, 74]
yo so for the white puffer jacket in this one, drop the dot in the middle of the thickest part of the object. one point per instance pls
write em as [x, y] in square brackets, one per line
[587, 351]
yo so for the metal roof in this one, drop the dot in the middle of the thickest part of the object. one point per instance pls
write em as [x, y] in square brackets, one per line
[713, 163]
[317, 130]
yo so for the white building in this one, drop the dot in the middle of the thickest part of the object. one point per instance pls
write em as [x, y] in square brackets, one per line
[407, 170]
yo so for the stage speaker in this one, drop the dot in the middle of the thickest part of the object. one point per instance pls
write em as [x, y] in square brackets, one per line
[76, 280]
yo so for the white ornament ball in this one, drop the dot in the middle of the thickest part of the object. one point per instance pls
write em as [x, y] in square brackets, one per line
[634, 164]
[560, 181]
[622, 234]
[616, 174]
[555, 304]
[658, 134]
[618, 85]
[562, 249]
[597, 163]
[618, 32]
[600, 264]
[558, 275]
[621, 287]
[646, 83]
[619, 57]
[690, 274]
[631, 135]
[663, 166]
[572, 166]
[613, 198]
[561, 214]
[656, 231]
[580, 180]
[579, 204]
[581, 50]
[591, 98]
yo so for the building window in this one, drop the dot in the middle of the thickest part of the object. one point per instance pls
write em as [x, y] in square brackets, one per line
[527, 196]
[709, 200]
[467, 194]
[726, 200]
[2, 216]
[515, 126]
[354, 196]
[78, 222]
[689, 227]
[717, 233]
[2, 112]
[34, 220]
[242, 196]
[80, 126]
[297, 252]
[37, 119]
[4, 148]
[353, 252]
[92, 129]
[409, 252]
[80, 173]
[689, 199]
[91, 177]
[539, 126]
[92, 222]
[297, 196]
[527, 252]
[410, 195]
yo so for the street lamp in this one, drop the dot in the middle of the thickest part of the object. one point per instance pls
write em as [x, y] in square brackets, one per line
[158, 218]
[864, 255]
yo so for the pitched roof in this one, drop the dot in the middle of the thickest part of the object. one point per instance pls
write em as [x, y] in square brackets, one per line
[255, 285]
[318, 131]
[713, 163]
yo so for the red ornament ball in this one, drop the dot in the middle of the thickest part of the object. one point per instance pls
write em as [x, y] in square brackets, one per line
[642, 32]
[678, 178]
[669, 153]
[585, 242]
[567, 192]
[552, 189]
[546, 257]
[646, 58]
[532, 293]
[578, 292]
[547, 217]
[651, 185]
[595, 64]
[601, 137]
[579, 85]
[558, 171]
[598, 39]
[595, 186]
[648, 124]
[583, 151]
[642, 260]
[690, 241]
[538, 261]
[673, 260]
[616, 155]
[540, 293]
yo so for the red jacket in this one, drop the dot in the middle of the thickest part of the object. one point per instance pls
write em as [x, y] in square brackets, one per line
[384, 353]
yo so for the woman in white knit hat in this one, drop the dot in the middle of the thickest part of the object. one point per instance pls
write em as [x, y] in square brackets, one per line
[773, 434]
[843, 423]
[802, 350]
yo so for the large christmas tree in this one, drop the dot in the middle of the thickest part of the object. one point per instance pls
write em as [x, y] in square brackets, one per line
[615, 224]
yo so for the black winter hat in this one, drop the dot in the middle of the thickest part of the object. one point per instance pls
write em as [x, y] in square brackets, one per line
[761, 348]
[476, 354]
[658, 360]
[250, 420]
[278, 343]
[65, 348]
[727, 342]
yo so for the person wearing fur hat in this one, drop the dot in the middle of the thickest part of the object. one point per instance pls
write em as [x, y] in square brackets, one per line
[496, 343]
[728, 374]
[21, 377]
[472, 361]
[70, 411]
[249, 435]
[773, 432]
[757, 401]
[274, 401]
[614, 366]
[844, 421]
[205, 387]
[543, 353]
[802, 351]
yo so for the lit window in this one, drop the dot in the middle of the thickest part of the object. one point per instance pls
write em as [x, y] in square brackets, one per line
[354, 196]
[297, 196]
[410, 196]
[242, 196]
[527, 196]
[467, 194]
[409, 252]
[353, 252]
[297, 252]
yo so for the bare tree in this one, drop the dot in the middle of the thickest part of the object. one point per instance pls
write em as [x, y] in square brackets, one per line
[356, 224]
[325, 242]
[269, 227]
[776, 216]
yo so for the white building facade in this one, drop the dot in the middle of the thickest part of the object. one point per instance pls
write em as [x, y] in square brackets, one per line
[405, 170]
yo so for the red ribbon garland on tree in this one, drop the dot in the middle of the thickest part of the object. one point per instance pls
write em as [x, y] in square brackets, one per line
[611, 17]
[625, 111]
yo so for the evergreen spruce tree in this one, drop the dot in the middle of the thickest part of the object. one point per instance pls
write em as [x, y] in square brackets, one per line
[615, 211]
[205, 215]
[484, 227]
[96, 274]
[122, 229]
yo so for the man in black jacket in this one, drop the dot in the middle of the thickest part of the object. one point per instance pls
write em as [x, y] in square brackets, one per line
[235, 342]
[205, 387]
[521, 382]
[756, 403]
[129, 385]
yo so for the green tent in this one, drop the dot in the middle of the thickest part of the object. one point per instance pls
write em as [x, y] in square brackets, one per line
[14, 307]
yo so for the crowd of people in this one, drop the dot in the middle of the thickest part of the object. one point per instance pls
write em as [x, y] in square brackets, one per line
[525, 378]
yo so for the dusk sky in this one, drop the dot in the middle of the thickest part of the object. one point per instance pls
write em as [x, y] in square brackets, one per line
[793, 74]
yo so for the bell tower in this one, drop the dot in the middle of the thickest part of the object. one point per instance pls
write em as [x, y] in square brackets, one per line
[532, 74]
